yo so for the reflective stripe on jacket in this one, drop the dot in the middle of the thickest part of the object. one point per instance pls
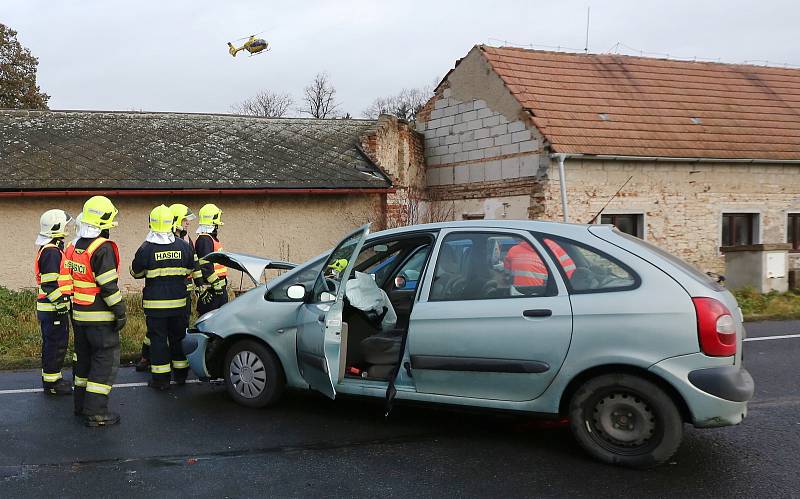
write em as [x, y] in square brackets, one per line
[165, 268]
[525, 265]
[55, 283]
[87, 284]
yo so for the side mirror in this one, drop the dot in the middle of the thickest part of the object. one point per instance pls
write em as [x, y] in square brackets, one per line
[399, 282]
[296, 292]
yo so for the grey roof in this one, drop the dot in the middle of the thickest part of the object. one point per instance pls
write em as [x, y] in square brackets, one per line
[60, 150]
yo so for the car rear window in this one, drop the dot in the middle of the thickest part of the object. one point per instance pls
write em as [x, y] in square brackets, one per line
[686, 267]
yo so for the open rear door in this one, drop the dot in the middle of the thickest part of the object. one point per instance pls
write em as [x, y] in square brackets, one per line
[319, 321]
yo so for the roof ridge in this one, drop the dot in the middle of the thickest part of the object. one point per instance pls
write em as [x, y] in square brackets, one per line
[640, 57]
[26, 112]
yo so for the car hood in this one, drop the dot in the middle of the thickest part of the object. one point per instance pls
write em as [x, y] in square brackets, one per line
[251, 265]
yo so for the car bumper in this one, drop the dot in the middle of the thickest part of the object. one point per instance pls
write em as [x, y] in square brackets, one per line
[715, 395]
[194, 347]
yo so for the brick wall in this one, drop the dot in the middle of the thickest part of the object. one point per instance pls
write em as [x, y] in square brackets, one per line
[681, 203]
[398, 150]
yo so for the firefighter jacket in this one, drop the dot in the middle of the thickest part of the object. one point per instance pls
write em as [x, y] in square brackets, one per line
[165, 268]
[53, 279]
[528, 269]
[93, 264]
[213, 274]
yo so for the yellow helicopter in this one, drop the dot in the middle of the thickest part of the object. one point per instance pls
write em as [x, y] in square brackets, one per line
[253, 45]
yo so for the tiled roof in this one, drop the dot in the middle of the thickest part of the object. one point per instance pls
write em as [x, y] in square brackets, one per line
[100, 150]
[638, 106]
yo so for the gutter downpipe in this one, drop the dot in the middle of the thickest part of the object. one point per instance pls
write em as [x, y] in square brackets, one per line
[563, 182]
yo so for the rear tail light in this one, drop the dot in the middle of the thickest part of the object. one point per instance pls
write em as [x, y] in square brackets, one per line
[716, 328]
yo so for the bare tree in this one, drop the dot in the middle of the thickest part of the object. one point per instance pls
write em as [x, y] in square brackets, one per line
[405, 104]
[319, 98]
[265, 103]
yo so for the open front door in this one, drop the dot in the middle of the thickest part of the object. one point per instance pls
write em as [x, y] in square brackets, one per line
[319, 323]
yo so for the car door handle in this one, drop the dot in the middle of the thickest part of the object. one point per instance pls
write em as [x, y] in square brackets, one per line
[538, 312]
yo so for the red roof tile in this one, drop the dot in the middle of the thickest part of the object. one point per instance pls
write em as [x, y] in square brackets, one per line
[637, 106]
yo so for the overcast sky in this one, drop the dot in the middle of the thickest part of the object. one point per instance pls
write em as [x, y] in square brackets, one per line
[172, 56]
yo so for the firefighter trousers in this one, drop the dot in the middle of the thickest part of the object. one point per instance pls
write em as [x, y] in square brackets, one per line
[166, 349]
[97, 348]
[55, 336]
[146, 341]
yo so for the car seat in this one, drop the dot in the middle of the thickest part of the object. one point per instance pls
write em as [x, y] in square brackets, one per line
[374, 312]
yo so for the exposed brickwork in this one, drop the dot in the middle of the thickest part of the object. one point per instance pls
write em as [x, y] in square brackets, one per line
[682, 203]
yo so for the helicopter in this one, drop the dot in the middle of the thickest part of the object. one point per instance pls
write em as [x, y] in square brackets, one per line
[253, 45]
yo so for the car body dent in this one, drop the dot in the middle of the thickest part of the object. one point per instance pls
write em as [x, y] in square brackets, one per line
[273, 324]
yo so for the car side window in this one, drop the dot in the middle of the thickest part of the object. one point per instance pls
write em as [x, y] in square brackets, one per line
[412, 268]
[480, 266]
[588, 270]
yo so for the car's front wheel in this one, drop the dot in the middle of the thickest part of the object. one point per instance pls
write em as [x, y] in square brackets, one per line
[626, 420]
[253, 375]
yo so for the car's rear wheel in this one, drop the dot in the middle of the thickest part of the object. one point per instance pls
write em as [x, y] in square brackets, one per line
[626, 420]
[253, 375]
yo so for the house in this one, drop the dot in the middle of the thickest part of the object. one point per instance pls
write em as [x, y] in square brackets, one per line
[288, 188]
[703, 154]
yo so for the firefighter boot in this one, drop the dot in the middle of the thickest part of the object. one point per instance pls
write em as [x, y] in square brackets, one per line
[78, 396]
[159, 382]
[103, 419]
[60, 387]
[143, 365]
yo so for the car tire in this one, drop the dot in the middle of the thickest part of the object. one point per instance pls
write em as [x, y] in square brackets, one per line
[253, 374]
[625, 420]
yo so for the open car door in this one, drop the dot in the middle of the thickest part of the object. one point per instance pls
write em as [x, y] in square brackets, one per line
[252, 266]
[319, 321]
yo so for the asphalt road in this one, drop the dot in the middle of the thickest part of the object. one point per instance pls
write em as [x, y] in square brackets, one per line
[194, 441]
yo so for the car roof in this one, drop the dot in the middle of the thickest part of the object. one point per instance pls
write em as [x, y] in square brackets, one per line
[555, 228]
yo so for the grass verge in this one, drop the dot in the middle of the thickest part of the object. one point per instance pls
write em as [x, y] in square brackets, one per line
[770, 306]
[21, 338]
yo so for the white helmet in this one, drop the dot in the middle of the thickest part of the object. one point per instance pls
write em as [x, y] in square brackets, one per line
[54, 224]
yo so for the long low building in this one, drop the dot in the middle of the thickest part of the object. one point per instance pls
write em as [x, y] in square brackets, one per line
[288, 188]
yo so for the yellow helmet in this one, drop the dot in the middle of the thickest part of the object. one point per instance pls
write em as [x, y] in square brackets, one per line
[99, 212]
[161, 219]
[338, 265]
[210, 215]
[181, 212]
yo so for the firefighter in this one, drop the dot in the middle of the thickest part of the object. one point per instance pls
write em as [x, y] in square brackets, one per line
[52, 302]
[527, 269]
[165, 262]
[212, 277]
[98, 311]
[182, 216]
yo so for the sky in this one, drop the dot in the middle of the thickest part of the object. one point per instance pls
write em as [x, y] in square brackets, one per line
[148, 55]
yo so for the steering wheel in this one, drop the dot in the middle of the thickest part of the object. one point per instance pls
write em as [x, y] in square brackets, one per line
[456, 287]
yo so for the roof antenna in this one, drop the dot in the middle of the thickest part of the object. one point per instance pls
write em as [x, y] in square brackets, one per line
[586, 47]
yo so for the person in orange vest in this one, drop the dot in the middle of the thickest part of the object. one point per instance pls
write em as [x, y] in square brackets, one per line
[212, 277]
[527, 269]
[52, 302]
[98, 311]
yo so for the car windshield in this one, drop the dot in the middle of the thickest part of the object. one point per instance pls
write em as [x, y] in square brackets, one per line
[304, 274]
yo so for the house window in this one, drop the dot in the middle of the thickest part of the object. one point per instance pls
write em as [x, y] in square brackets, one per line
[739, 229]
[632, 224]
[793, 231]
[472, 216]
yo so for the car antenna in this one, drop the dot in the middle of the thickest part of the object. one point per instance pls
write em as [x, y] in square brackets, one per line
[609, 201]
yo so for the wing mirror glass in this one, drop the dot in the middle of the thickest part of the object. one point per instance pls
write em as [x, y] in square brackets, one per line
[399, 282]
[296, 292]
